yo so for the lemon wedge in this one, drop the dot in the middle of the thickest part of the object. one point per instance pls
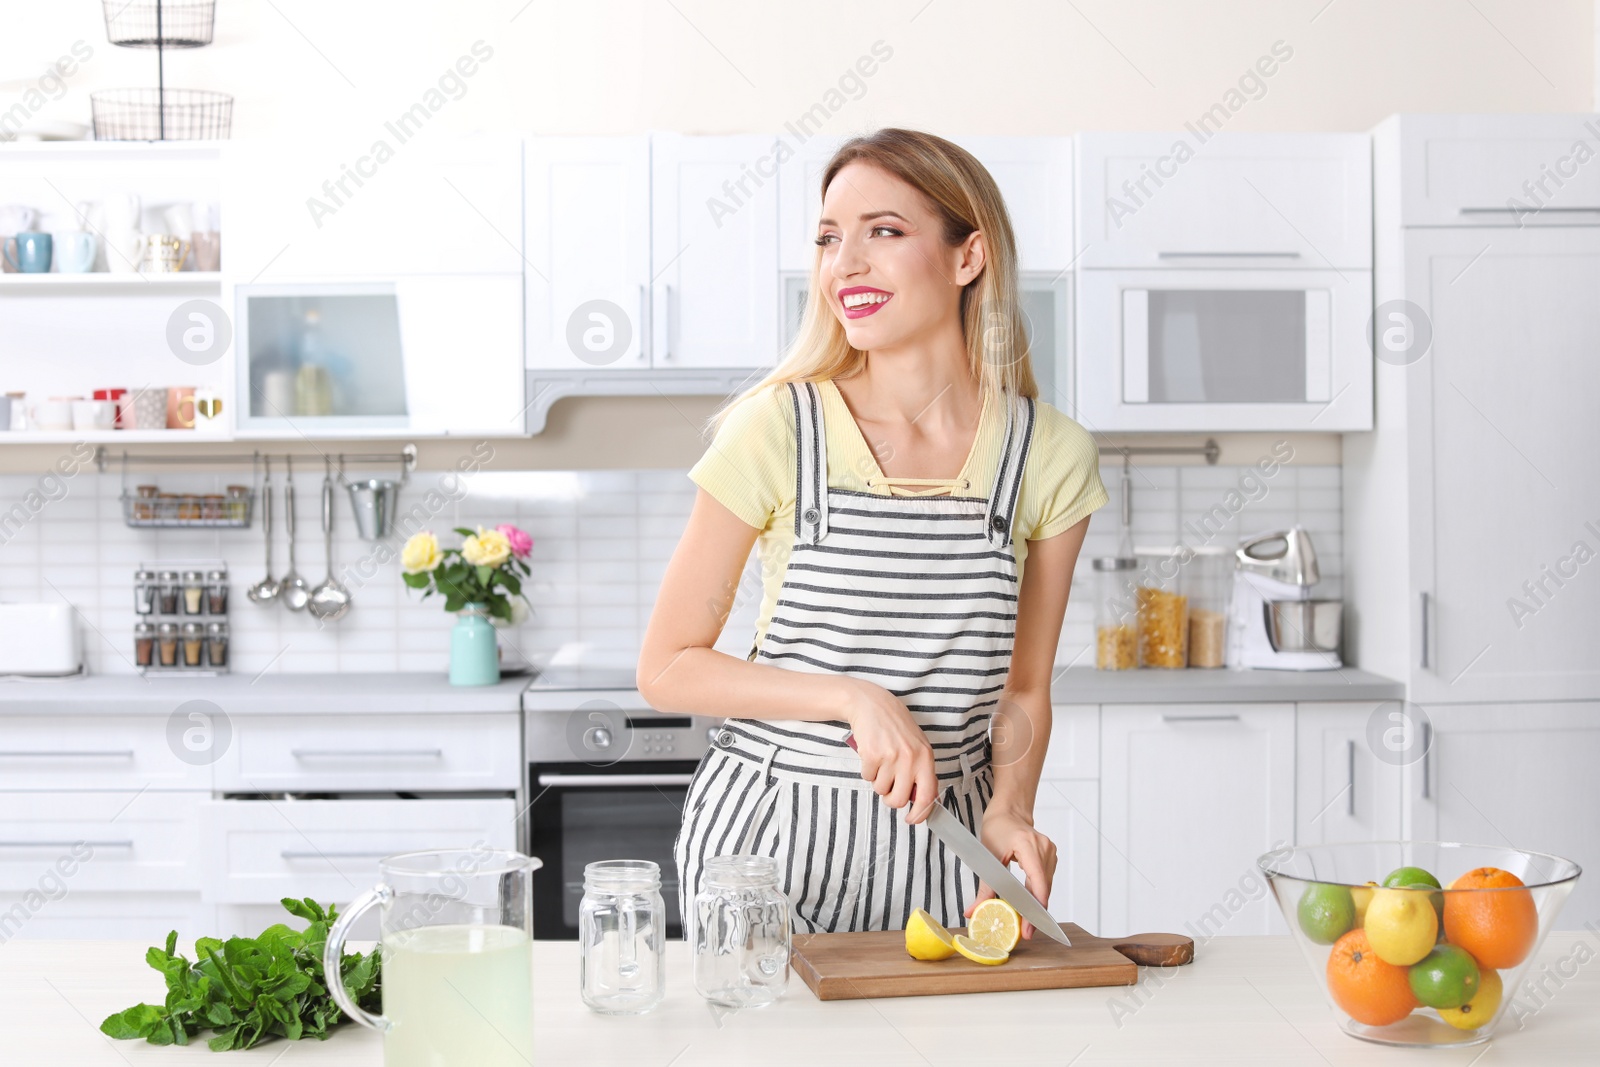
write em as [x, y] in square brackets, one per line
[978, 952]
[996, 924]
[926, 939]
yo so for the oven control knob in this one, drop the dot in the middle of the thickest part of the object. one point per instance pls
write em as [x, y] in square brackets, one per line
[597, 737]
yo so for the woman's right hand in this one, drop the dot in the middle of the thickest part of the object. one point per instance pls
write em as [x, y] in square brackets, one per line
[895, 755]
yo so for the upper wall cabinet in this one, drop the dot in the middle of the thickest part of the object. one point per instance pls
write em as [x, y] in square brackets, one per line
[438, 205]
[1497, 170]
[1229, 200]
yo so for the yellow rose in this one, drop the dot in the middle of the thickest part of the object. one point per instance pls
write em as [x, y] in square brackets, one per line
[421, 554]
[489, 548]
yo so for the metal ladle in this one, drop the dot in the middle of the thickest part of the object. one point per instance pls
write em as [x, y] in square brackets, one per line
[330, 600]
[295, 590]
[266, 590]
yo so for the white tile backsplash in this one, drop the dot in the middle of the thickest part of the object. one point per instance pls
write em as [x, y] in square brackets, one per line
[601, 543]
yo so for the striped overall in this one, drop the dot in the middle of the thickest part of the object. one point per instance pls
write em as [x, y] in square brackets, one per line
[918, 594]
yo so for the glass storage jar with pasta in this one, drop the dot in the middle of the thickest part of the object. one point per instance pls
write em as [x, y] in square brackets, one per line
[1163, 611]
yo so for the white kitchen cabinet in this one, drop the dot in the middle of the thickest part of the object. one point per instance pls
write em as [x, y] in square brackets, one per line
[120, 915]
[1074, 751]
[416, 753]
[1191, 795]
[431, 204]
[1496, 170]
[111, 841]
[50, 753]
[1225, 200]
[1068, 813]
[1513, 775]
[714, 250]
[588, 242]
[1469, 512]
[1343, 790]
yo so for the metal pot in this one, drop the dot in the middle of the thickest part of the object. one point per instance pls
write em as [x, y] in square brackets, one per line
[374, 501]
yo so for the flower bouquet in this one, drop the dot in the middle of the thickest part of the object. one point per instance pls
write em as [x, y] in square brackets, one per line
[480, 581]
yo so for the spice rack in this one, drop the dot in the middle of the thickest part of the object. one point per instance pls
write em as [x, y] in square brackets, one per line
[182, 605]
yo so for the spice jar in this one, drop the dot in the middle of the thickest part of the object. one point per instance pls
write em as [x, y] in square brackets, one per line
[217, 592]
[194, 639]
[738, 932]
[189, 507]
[167, 643]
[144, 644]
[1207, 581]
[144, 503]
[622, 929]
[169, 593]
[237, 502]
[144, 592]
[213, 506]
[166, 509]
[1116, 628]
[194, 592]
[217, 643]
[1163, 611]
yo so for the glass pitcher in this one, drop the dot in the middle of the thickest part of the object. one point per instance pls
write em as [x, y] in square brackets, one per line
[455, 938]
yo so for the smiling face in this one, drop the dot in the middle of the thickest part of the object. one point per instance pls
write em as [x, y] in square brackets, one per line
[889, 276]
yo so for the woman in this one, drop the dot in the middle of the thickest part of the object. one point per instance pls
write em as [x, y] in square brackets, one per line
[894, 612]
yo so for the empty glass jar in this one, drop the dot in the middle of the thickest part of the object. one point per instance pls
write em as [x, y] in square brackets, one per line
[738, 932]
[622, 927]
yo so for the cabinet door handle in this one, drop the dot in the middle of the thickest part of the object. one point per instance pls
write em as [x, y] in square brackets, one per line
[65, 844]
[1227, 255]
[1427, 606]
[126, 753]
[666, 355]
[357, 753]
[362, 854]
[1350, 777]
[1521, 210]
[1199, 718]
[609, 781]
[643, 325]
[1427, 757]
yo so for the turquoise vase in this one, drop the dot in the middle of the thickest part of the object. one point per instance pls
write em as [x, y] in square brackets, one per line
[474, 651]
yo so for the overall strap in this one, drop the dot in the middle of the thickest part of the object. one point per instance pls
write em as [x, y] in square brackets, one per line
[1002, 509]
[811, 464]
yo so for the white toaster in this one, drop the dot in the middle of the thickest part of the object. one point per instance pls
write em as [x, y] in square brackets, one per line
[39, 640]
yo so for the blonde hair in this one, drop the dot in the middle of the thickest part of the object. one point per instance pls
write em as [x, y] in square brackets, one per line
[964, 198]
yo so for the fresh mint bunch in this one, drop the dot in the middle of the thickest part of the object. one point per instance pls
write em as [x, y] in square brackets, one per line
[250, 990]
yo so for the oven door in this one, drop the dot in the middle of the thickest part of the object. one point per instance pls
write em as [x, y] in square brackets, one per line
[582, 813]
[1225, 349]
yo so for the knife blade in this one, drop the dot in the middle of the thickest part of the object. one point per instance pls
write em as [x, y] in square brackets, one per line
[947, 828]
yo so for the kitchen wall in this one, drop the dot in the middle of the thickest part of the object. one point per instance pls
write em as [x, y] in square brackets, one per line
[601, 542]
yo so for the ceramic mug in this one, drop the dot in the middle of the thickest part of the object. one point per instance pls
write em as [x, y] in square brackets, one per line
[93, 414]
[75, 252]
[163, 253]
[207, 245]
[14, 219]
[122, 211]
[5, 413]
[29, 252]
[115, 396]
[180, 407]
[208, 410]
[53, 414]
[124, 249]
[149, 410]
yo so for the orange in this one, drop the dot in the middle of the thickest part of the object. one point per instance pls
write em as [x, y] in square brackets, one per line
[1367, 989]
[1498, 926]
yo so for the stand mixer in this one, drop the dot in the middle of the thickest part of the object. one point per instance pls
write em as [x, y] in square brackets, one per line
[1273, 622]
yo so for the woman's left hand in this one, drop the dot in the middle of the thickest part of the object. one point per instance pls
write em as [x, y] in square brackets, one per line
[1010, 836]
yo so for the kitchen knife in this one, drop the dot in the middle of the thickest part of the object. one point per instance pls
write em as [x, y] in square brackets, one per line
[947, 828]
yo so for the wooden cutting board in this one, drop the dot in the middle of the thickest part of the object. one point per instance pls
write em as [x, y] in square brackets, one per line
[855, 966]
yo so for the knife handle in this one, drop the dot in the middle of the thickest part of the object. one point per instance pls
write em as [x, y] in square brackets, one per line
[850, 739]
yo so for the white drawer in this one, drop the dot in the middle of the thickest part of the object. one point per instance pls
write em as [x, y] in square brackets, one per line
[59, 752]
[1074, 751]
[61, 843]
[260, 851]
[1494, 170]
[109, 916]
[353, 753]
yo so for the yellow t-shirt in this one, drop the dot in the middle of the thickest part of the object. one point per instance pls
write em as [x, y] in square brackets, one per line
[750, 469]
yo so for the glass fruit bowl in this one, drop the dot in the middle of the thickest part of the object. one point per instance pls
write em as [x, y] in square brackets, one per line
[1415, 942]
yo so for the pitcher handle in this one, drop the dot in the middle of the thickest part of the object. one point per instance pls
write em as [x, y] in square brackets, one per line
[333, 952]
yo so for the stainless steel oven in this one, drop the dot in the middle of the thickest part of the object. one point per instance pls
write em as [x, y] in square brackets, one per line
[607, 779]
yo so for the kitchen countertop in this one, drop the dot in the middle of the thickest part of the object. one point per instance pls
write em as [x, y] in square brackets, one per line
[1243, 1000]
[244, 694]
[1086, 685]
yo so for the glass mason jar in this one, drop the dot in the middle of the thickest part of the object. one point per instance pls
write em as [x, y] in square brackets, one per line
[622, 926]
[738, 931]
[1116, 624]
[1207, 580]
[1163, 610]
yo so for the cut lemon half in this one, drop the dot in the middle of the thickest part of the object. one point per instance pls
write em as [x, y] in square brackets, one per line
[996, 924]
[978, 952]
[926, 939]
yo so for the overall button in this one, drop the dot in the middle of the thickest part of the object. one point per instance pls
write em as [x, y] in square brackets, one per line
[811, 515]
[725, 738]
[999, 522]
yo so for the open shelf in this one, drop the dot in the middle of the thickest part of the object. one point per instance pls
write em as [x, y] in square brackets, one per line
[109, 280]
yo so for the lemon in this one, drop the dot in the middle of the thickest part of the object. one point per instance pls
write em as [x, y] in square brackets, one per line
[926, 939]
[978, 952]
[1401, 925]
[996, 924]
[1481, 1008]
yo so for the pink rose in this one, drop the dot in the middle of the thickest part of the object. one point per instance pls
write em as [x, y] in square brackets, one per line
[521, 543]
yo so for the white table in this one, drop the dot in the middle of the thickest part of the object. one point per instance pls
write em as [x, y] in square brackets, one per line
[1244, 1000]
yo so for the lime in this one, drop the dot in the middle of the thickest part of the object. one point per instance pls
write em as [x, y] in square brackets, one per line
[1326, 912]
[1403, 876]
[1447, 977]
